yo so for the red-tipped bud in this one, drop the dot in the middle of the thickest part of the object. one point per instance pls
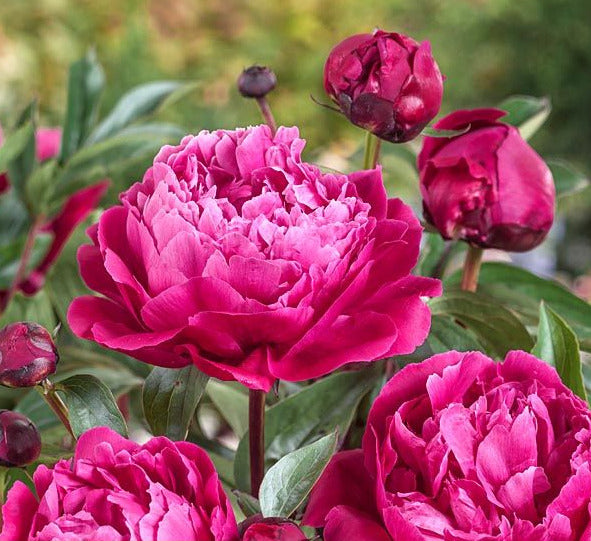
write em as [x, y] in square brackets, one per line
[256, 82]
[486, 186]
[20, 442]
[27, 355]
[386, 83]
[270, 529]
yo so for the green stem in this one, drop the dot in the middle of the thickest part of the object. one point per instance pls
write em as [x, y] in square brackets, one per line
[49, 394]
[372, 151]
[471, 268]
[256, 439]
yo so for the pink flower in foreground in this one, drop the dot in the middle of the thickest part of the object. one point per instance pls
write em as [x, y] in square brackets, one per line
[76, 209]
[486, 186]
[461, 448]
[117, 490]
[270, 529]
[386, 83]
[236, 256]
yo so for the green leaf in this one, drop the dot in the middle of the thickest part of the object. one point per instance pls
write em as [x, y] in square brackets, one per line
[10, 257]
[557, 345]
[14, 218]
[90, 403]
[37, 308]
[170, 398]
[447, 134]
[232, 405]
[521, 291]
[447, 334]
[497, 328]
[567, 179]
[85, 85]
[287, 484]
[432, 251]
[526, 113]
[16, 144]
[301, 418]
[141, 101]
[248, 504]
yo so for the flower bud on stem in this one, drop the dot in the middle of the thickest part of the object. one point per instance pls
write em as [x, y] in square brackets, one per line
[49, 394]
[472, 268]
[256, 439]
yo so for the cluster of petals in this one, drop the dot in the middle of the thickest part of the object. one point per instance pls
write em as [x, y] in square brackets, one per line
[462, 448]
[237, 256]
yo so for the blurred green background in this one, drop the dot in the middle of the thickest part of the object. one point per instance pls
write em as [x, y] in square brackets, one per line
[487, 49]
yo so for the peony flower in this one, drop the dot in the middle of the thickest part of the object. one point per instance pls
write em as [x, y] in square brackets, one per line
[487, 186]
[117, 490]
[385, 83]
[20, 441]
[236, 256]
[75, 210]
[270, 529]
[27, 354]
[461, 448]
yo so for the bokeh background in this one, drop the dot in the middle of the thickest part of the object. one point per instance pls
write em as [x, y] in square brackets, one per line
[488, 49]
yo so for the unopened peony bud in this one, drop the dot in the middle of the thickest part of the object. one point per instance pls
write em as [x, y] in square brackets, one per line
[27, 355]
[20, 442]
[256, 82]
[386, 83]
[270, 529]
[486, 186]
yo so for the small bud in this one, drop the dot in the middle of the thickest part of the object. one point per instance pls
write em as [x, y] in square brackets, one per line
[256, 82]
[27, 355]
[20, 442]
[257, 528]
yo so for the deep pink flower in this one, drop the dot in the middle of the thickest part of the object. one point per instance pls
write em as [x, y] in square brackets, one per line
[386, 83]
[487, 186]
[237, 256]
[117, 490]
[270, 529]
[461, 448]
[27, 354]
[76, 209]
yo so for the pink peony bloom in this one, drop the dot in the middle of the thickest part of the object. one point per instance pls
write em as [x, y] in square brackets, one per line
[76, 209]
[117, 490]
[270, 529]
[486, 186]
[461, 448]
[386, 83]
[236, 256]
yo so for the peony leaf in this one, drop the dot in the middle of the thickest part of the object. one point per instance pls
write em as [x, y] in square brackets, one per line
[139, 102]
[526, 113]
[90, 403]
[232, 404]
[30, 308]
[496, 327]
[170, 398]
[557, 345]
[521, 291]
[447, 134]
[287, 483]
[322, 407]
[446, 334]
[85, 86]
[567, 179]
[248, 504]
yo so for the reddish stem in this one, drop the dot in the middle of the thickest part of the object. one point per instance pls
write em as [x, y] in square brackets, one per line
[256, 435]
[267, 113]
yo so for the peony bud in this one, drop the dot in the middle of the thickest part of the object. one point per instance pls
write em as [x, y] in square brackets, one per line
[486, 186]
[270, 529]
[256, 82]
[385, 83]
[27, 355]
[20, 442]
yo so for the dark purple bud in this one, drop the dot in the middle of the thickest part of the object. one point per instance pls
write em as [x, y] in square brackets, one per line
[256, 82]
[257, 528]
[27, 355]
[20, 442]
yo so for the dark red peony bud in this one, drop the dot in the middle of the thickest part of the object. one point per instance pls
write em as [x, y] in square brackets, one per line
[385, 83]
[20, 442]
[256, 82]
[270, 529]
[486, 186]
[27, 355]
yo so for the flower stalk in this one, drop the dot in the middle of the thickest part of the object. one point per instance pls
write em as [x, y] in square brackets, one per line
[256, 439]
[49, 393]
[267, 113]
[372, 151]
[471, 268]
